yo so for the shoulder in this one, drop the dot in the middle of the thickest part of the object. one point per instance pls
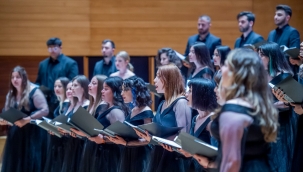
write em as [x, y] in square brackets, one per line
[272, 32]
[99, 63]
[233, 120]
[239, 101]
[256, 35]
[68, 59]
[192, 37]
[238, 39]
[116, 111]
[214, 37]
[181, 101]
[114, 74]
[45, 61]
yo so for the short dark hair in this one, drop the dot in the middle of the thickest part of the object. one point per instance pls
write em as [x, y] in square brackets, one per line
[110, 41]
[203, 94]
[140, 92]
[223, 51]
[285, 8]
[250, 16]
[54, 41]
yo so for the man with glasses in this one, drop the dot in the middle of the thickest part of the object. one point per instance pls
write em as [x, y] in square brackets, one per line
[53, 67]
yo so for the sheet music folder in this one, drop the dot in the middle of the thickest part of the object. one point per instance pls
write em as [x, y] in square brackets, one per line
[194, 146]
[47, 126]
[12, 115]
[157, 130]
[292, 89]
[85, 122]
[121, 130]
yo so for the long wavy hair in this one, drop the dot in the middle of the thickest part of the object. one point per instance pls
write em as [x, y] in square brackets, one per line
[115, 84]
[172, 80]
[140, 92]
[12, 92]
[172, 57]
[250, 82]
[93, 103]
[83, 81]
[64, 81]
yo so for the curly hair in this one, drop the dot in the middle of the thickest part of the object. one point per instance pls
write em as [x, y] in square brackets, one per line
[250, 82]
[203, 94]
[172, 57]
[115, 84]
[139, 91]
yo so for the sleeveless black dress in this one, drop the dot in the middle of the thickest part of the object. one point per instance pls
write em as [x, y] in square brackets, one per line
[25, 148]
[163, 160]
[73, 148]
[107, 157]
[254, 149]
[203, 135]
[55, 150]
[136, 158]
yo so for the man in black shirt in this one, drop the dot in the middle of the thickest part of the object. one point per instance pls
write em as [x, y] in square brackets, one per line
[210, 40]
[106, 66]
[246, 21]
[53, 67]
[284, 34]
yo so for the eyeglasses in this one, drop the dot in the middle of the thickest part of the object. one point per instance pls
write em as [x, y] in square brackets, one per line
[52, 48]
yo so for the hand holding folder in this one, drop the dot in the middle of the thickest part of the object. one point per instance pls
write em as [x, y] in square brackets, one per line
[47, 126]
[12, 115]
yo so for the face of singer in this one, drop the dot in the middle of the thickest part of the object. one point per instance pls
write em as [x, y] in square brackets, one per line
[203, 26]
[77, 90]
[92, 87]
[244, 24]
[127, 95]
[54, 51]
[159, 84]
[226, 80]
[264, 59]
[58, 88]
[217, 58]
[192, 55]
[218, 96]
[107, 50]
[16, 80]
[189, 96]
[281, 17]
[107, 94]
[164, 60]
[69, 93]
[120, 63]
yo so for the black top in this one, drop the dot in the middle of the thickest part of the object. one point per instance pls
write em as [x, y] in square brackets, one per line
[139, 118]
[201, 132]
[211, 41]
[287, 36]
[200, 74]
[102, 117]
[64, 108]
[50, 70]
[253, 144]
[252, 38]
[105, 69]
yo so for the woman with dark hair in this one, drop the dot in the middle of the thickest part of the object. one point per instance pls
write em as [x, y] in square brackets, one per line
[136, 154]
[202, 67]
[248, 121]
[25, 146]
[108, 155]
[74, 146]
[201, 96]
[220, 55]
[172, 112]
[54, 159]
[275, 63]
[167, 56]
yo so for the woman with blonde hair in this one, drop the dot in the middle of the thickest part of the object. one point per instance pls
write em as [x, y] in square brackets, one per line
[172, 112]
[125, 68]
[248, 121]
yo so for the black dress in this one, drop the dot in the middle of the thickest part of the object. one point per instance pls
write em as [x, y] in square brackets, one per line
[282, 150]
[73, 148]
[25, 148]
[107, 157]
[161, 159]
[87, 162]
[254, 149]
[203, 135]
[55, 150]
[136, 158]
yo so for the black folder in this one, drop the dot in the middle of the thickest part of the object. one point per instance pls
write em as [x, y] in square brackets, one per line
[12, 115]
[194, 146]
[294, 53]
[152, 88]
[293, 91]
[85, 122]
[47, 126]
[157, 130]
[121, 130]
